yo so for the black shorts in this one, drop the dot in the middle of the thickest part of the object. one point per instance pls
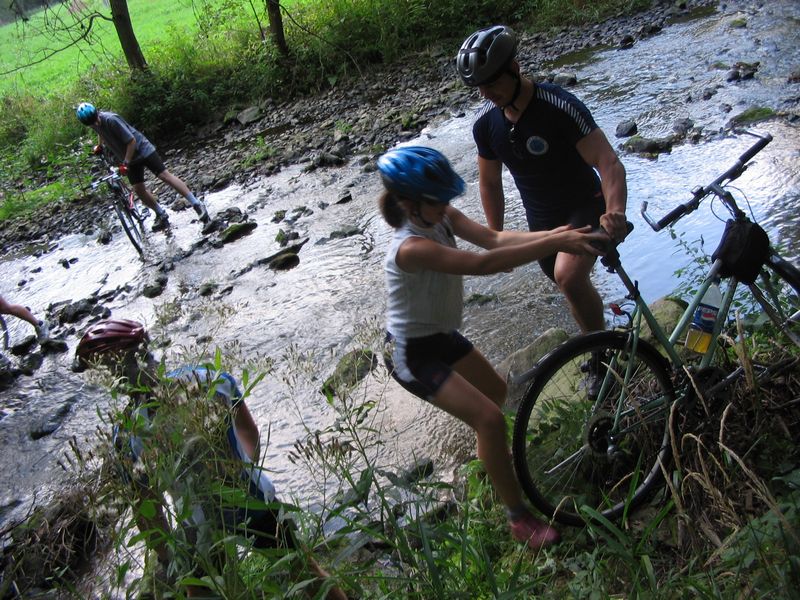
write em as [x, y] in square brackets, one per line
[586, 214]
[136, 169]
[421, 365]
[268, 531]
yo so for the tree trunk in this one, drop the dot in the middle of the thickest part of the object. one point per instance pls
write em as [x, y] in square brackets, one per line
[127, 38]
[276, 26]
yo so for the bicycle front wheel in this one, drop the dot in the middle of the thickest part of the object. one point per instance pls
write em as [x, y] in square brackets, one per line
[129, 225]
[592, 429]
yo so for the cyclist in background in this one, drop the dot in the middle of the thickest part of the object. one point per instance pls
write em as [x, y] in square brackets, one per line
[553, 148]
[135, 152]
[425, 352]
[24, 313]
[121, 346]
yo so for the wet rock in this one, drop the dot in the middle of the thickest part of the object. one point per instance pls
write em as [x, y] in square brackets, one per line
[249, 115]
[642, 145]
[742, 71]
[29, 363]
[23, 347]
[155, 286]
[351, 369]
[8, 372]
[53, 422]
[626, 41]
[55, 346]
[281, 257]
[76, 311]
[626, 128]
[346, 232]
[232, 214]
[480, 299]
[283, 237]
[708, 93]
[235, 231]
[794, 76]
[524, 359]
[682, 126]
[345, 197]
[104, 237]
[207, 288]
[284, 261]
[751, 115]
[565, 79]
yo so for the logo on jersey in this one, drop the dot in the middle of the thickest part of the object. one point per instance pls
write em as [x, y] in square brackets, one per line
[537, 145]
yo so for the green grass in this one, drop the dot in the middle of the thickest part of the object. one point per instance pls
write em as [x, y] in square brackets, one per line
[155, 22]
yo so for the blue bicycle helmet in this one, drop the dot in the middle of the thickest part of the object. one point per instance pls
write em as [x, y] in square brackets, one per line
[420, 173]
[87, 113]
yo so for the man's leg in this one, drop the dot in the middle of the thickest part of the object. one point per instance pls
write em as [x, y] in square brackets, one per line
[177, 184]
[572, 275]
[19, 311]
[161, 220]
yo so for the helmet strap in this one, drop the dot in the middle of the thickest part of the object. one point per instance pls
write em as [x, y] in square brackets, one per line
[517, 90]
[418, 214]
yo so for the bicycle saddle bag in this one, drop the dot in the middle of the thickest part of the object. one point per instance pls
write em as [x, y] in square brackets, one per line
[744, 248]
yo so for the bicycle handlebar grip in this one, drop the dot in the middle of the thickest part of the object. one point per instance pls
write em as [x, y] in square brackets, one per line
[672, 216]
[98, 149]
[755, 148]
[123, 169]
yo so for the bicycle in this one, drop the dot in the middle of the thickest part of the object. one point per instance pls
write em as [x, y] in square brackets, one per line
[594, 426]
[124, 203]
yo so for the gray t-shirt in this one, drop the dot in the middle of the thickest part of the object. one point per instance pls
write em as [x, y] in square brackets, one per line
[425, 302]
[117, 134]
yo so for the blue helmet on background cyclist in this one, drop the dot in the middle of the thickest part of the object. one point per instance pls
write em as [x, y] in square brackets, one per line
[86, 113]
[421, 174]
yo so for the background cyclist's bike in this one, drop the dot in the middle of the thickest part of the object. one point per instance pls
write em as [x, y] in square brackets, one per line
[595, 426]
[131, 215]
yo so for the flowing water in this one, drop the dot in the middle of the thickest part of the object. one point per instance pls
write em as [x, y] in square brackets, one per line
[333, 300]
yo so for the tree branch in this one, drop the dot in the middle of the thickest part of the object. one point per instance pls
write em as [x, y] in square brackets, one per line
[87, 30]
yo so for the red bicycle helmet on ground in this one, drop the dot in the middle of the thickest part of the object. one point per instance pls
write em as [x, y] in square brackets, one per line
[110, 335]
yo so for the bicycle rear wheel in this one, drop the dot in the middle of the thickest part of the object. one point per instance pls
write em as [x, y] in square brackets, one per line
[129, 224]
[778, 293]
[572, 450]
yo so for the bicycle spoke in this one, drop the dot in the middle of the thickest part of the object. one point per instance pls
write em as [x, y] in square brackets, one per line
[572, 449]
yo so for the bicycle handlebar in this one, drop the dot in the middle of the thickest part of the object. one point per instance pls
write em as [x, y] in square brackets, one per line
[714, 187]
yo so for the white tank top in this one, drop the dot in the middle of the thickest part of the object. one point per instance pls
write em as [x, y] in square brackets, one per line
[425, 302]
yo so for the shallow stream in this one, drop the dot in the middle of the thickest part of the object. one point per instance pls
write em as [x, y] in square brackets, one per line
[333, 300]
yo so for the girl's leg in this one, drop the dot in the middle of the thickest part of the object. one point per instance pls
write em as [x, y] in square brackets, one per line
[474, 393]
[480, 373]
[470, 403]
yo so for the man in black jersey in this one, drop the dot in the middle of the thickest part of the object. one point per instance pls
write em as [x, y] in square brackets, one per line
[562, 164]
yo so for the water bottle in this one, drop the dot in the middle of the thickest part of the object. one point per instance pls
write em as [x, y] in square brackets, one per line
[705, 315]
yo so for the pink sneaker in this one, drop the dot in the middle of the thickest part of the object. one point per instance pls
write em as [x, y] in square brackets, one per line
[533, 532]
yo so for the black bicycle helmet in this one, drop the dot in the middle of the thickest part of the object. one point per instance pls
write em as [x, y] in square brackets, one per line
[86, 113]
[110, 336]
[486, 54]
[420, 173]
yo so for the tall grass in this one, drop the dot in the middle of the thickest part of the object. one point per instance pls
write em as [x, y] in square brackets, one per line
[727, 526]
